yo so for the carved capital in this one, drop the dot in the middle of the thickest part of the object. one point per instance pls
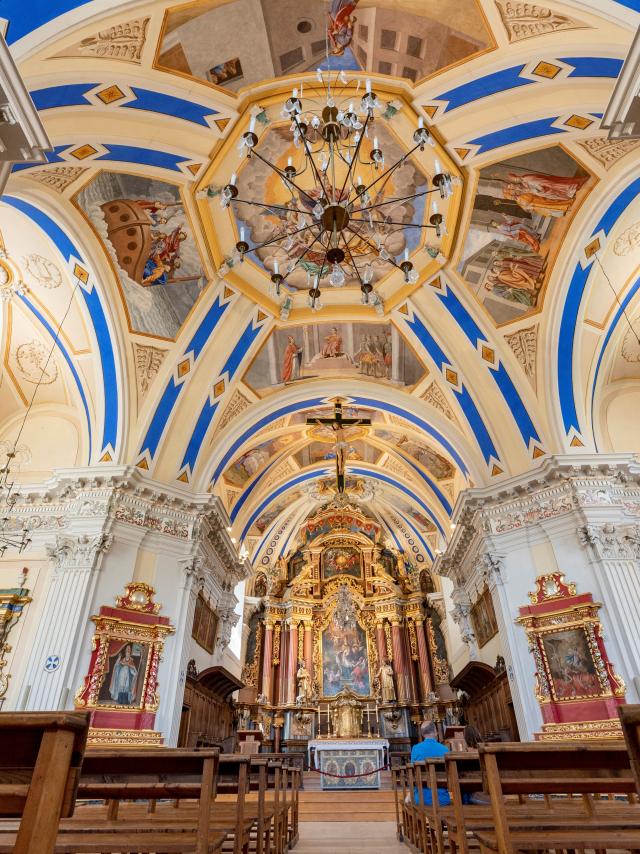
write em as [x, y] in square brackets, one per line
[491, 569]
[612, 542]
[77, 552]
[461, 614]
[228, 619]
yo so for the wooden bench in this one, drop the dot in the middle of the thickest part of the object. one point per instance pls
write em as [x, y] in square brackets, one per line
[630, 720]
[39, 771]
[122, 775]
[589, 770]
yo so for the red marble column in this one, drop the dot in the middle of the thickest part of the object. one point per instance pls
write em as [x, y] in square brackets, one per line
[293, 663]
[267, 666]
[423, 661]
[400, 662]
[283, 666]
[308, 648]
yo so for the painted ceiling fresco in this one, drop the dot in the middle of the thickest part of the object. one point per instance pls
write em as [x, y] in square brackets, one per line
[176, 358]
[240, 43]
[374, 351]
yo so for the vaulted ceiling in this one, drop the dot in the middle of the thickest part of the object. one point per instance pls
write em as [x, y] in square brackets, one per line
[513, 343]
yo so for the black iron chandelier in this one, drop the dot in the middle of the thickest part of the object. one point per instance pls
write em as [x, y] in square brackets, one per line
[336, 143]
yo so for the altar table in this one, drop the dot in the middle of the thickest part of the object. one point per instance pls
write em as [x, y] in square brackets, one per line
[349, 756]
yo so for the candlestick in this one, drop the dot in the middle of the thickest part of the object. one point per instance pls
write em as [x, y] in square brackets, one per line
[368, 720]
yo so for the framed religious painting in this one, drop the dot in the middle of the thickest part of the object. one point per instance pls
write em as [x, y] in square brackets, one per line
[121, 686]
[341, 560]
[576, 684]
[124, 674]
[483, 618]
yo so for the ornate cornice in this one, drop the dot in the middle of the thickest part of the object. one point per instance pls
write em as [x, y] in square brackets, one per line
[612, 542]
[561, 485]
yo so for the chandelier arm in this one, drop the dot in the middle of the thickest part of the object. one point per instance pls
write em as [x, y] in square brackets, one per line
[282, 236]
[355, 156]
[353, 263]
[388, 172]
[282, 175]
[311, 160]
[298, 260]
[389, 260]
[270, 207]
[401, 199]
[395, 222]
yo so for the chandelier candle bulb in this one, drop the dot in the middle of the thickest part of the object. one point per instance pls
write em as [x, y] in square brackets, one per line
[420, 122]
[232, 180]
[367, 86]
[252, 124]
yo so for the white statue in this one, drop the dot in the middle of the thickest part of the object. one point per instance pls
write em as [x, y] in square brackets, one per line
[303, 679]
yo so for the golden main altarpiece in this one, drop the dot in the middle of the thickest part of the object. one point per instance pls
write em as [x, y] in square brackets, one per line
[344, 639]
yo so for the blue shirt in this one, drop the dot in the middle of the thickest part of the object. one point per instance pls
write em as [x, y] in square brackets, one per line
[429, 749]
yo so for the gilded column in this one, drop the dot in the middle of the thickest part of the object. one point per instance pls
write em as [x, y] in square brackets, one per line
[267, 666]
[403, 682]
[423, 660]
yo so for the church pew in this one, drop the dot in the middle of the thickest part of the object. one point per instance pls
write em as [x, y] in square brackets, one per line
[39, 771]
[121, 775]
[630, 720]
[568, 768]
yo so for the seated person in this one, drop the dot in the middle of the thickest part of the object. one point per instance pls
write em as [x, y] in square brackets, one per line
[429, 748]
[473, 739]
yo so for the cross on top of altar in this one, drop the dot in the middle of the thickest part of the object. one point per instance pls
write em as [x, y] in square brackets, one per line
[338, 423]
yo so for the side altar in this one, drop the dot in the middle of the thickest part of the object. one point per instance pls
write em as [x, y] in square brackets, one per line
[344, 645]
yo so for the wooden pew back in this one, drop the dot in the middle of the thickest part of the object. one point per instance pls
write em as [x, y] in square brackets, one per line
[542, 768]
[39, 771]
[630, 720]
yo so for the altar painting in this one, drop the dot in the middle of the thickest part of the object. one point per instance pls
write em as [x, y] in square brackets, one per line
[521, 212]
[341, 560]
[148, 237]
[358, 350]
[571, 664]
[124, 675]
[345, 661]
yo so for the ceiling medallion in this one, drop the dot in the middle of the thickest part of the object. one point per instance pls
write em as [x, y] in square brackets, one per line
[329, 197]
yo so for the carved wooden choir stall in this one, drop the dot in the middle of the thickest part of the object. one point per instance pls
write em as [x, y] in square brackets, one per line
[343, 641]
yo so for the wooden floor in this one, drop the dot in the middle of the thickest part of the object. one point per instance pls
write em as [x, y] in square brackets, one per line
[354, 837]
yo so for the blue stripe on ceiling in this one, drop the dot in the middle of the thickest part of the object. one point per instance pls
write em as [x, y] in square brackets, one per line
[261, 545]
[514, 403]
[170, 105]
[67, 95]
[476, 423]
[442, 498]
[67, 358]
[143, 156]
[259, 510]
[24, 18]
[74, 95]
[95, 308]
[208, 410]
[516, 133]
[117, 153]
[462, 317]
[237, 507]
[593, 66]
[172, 391]
[403, 488]
[286, 541]
[619, 313]
[243, 345]
[571, 309]
[415, 530]
[490, 84]
[464, 398]
[262, 422]
[392, 532]
[199, 432]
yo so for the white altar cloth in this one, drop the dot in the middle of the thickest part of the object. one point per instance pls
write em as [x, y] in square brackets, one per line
[343, 761]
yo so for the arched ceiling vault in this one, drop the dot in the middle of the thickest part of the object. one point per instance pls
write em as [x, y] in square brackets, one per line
[507, 348]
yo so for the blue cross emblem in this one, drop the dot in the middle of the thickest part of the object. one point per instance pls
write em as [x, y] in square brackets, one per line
[52, 663]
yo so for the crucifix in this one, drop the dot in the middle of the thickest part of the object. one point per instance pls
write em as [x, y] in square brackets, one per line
[337, 424]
